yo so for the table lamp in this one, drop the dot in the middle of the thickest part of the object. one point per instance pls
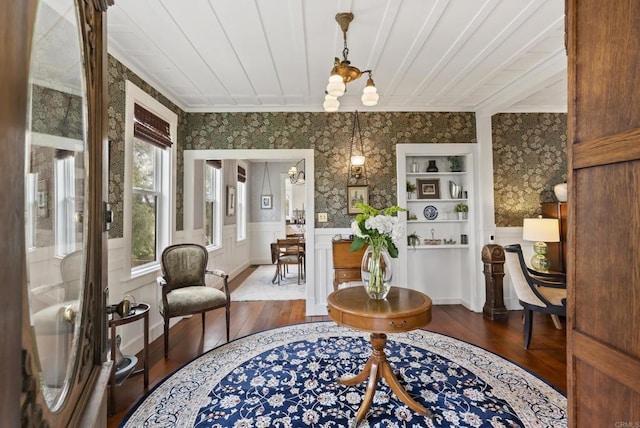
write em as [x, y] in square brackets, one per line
[540, 230]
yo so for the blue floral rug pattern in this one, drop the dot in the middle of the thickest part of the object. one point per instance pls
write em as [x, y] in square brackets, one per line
[287, 378]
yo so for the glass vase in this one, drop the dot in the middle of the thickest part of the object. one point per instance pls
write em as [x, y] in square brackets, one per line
[376, 272]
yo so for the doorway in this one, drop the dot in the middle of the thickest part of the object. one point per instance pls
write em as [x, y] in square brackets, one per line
[262, 155]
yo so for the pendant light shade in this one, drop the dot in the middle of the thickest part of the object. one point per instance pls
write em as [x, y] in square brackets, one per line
[331, 103]
[336, 86]
[370, 93]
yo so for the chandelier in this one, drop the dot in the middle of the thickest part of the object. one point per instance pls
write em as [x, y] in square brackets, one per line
[343, 72]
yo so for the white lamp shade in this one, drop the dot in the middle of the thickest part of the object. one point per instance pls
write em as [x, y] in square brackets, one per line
[541, 230]
[336, 86]
[331, 103]
[370, 96]
[357, 160]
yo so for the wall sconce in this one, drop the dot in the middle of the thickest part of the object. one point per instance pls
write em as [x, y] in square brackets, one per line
[296, 176]
[356, 157]
[357, 166]
[540, 230]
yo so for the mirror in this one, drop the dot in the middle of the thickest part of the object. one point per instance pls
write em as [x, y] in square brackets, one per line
[295, 195]
[55, 194]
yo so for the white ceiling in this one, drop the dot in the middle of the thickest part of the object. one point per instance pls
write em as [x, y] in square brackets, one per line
[276, 55]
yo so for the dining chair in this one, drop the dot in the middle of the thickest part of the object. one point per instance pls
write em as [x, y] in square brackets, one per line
[290, 252]
[184, 290]
[544, 293]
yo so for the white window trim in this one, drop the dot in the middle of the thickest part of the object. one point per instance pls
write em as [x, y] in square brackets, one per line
[135, 95]
[217, 206]
[64, 186]
[245, 213]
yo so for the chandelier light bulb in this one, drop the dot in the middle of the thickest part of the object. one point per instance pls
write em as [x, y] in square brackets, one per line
[331, 103]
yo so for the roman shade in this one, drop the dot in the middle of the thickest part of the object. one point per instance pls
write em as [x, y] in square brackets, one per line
[151, 128]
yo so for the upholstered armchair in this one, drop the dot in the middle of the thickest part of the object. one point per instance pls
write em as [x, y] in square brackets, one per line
[545, 293]
[184, 291]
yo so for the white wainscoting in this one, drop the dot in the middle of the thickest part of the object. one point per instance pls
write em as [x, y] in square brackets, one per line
[323, 278]
[261, 235]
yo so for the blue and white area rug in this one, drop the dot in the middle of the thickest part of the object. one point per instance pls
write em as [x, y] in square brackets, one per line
[286, 377]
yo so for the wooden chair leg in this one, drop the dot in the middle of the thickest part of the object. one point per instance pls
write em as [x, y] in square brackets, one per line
[166, 338]
[528, 325]
[556, 321]
[228, 322]
[203, 322]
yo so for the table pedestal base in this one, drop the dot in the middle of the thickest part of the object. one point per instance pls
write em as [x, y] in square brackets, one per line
[378, 367]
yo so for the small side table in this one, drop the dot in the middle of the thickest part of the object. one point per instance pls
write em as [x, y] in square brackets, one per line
[140, 311]
[403, 310]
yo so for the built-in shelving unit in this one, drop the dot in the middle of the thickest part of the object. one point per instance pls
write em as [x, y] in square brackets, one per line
[443, 265]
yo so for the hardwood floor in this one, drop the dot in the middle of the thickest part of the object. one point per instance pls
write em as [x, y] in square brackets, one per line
[546, 356]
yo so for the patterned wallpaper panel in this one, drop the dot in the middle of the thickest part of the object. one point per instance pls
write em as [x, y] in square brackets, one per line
[529, 149]
[529, 158]
[56, 113]
[329, 134]
[118, 74]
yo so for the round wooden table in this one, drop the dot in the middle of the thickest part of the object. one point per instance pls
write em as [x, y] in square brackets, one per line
[402, 310]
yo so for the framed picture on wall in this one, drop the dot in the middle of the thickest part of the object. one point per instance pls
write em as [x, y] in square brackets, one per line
[266, 202]
[428, 188]
[356, 194]
[231, 200]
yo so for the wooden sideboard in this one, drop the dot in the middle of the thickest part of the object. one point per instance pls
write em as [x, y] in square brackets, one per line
[346, 263]
[557, 251]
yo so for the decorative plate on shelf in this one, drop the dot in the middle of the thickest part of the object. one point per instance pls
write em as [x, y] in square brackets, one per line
[430, 212]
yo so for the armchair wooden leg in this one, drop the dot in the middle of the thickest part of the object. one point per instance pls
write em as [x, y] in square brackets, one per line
[203, 322]
[166, 338]
[228, 322]
[528, 325]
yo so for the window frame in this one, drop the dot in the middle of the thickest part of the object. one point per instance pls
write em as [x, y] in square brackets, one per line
[64, 196]
[215, 174]
[241, 203]
[166, 216]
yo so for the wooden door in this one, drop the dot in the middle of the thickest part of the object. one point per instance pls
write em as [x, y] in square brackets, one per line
[604, 213]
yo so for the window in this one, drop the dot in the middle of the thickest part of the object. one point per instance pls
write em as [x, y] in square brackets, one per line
[146, 197]
[241, 206]
[149, 169]
[64, 193]
[212, 205]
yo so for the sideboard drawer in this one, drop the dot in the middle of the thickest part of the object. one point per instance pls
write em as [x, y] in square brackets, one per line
[343, 275]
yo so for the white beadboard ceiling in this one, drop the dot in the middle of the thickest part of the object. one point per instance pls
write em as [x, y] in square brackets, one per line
[275, 55]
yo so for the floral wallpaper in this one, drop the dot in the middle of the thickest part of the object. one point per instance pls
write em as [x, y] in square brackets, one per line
[529, 149]
[117, 75]
[529, 158]
[330, 134]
